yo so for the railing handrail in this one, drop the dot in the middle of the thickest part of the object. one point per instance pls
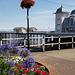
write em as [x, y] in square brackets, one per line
[43, 38]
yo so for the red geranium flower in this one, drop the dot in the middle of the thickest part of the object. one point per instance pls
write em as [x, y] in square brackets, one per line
[15, 70]
[25, 72]
[47, 73]
[44, 74]
[21, 67]
[37, 66]
[38, 71]
[17, 65]
[27, 2]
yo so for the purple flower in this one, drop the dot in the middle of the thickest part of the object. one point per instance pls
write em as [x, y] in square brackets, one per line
[20, 44]
[5, 48]
[9, 56]
[12, 44]
[14, 50]
[12, 73]
[25, 52]
[9, 71]
[4, 71]
[10, 63]
[29, 62]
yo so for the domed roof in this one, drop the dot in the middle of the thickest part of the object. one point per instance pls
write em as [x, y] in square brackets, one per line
[69, 22]
[61, 10]
[73, 12]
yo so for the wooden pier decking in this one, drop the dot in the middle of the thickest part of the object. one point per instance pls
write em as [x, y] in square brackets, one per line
[63, 60]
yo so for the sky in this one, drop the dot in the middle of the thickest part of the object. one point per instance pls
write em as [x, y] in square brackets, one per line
[40, 15]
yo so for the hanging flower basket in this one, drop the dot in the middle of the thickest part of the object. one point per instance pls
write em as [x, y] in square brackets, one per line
[27, 3]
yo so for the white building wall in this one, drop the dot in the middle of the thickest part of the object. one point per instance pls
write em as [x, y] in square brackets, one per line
[59, 21]
[24, 31]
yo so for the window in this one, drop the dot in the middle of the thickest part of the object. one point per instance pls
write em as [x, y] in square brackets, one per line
[58, 16]
[17, 31]
[58, 27]
[58, 21]
[58, 30]
[64, 15]
[63, 30]
[58, 24]
[71, 22]
[67, 29]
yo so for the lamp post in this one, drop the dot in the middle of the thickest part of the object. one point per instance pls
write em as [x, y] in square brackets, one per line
[28, 28]
[27, 4]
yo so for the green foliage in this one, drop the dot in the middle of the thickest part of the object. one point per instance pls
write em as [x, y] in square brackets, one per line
[42, 68]
[3, 66]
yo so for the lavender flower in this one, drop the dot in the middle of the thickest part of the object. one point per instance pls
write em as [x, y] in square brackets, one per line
[12, 73]
[25, 52]
[12, 44]
[20, 45]
[14, 50]
[10, 63]
[4, 71]
[29, 62]
[9, 71]
[5, 48]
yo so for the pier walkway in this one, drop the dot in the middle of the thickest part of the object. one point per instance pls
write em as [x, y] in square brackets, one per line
[63, 60]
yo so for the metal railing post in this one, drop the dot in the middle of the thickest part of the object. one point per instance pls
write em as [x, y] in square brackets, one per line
[25, 41]
[59, 43]
[0, 41]
[72, 42]
[43, 46]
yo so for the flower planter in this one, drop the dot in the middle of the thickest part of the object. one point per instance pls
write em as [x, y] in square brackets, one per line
[22, 64]
[50, 68]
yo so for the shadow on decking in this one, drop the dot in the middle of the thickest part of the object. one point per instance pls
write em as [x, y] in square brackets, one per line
[50, 48]
[36, 49]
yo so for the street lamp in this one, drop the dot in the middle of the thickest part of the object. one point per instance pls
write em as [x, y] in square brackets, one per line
[27, 4]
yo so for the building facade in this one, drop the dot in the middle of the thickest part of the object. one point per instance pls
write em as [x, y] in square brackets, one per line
[64, 21]
[20, 30]
[24, 30]
[69, 23]
[60, 15]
